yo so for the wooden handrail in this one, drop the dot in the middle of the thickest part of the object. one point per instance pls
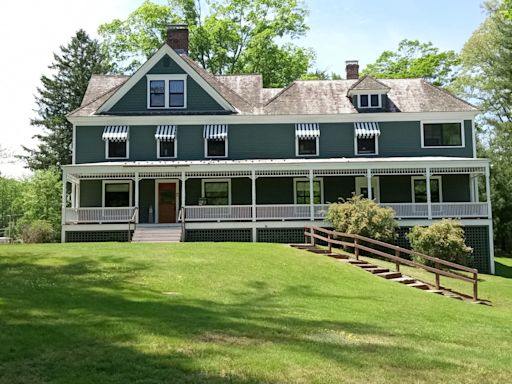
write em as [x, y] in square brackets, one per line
[329, 237]
[134, 221]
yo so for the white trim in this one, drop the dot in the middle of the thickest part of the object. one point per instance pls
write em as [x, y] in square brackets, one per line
[462, 130]
[369, 94]
[176, 198]
[205, 181]
[73, 146]
[473, 135]
[166, 79]
[356, 153]
[305, 179]
[105, 182]
[226, 147]
[297, 154]
[158, 156]
[362, 182]
[127, 142]
[440, 181]
[96, 120]
[150, 63]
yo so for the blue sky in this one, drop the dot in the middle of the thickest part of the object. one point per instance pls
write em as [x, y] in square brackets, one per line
[340, 30]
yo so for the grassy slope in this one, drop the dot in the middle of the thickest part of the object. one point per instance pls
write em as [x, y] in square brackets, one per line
[243, 313]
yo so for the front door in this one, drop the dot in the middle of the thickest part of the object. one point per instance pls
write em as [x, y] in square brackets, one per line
[166, 202]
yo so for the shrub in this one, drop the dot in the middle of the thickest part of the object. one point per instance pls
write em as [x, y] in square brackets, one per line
[38, 231]
[364, 217]
[444, 239]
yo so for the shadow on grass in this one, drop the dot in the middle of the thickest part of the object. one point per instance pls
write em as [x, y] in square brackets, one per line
[84, 322]
[503, 270]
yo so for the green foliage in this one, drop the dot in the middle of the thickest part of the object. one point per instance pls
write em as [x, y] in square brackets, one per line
[414, 59]
[40, 199]
[37, 231]
[60, 94]
[443, 239]
[319, 74]
[233, 37]
[364, 217]
[10, 189]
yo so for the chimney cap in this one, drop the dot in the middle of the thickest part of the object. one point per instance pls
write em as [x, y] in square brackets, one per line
[177, 26]
[352, 62]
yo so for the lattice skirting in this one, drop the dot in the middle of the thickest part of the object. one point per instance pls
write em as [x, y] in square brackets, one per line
[280, 235]
[235, 235]
[96, 236]
[477, 237]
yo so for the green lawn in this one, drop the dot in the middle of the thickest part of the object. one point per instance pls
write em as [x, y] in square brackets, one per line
[236, 313]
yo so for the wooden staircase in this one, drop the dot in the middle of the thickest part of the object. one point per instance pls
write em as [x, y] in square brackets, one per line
[385, 273]
[157, 234]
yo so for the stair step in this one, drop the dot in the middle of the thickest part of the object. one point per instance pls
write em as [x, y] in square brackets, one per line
[390, 275]
[367, 266]
[321, 251]
[436, 291]
[357, 262]
[376, 271]
[418, 285]
[337, 256]
[404, 280]
[452, 296]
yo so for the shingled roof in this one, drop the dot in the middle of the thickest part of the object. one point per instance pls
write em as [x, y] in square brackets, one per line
[303, 97]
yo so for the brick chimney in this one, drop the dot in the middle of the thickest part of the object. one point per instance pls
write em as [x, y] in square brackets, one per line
[352, 69]
[177, 37]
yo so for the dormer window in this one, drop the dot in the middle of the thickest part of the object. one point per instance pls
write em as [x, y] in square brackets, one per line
[369, 101]
[167, 91]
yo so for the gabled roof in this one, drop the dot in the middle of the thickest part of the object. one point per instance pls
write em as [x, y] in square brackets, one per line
[368, 83]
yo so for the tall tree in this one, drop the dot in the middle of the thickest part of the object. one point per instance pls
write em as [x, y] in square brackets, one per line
[414, 59]
[234, 36]
[61, 93]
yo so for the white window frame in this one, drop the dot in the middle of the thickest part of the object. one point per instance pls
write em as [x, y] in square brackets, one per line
[166, 79]
[362, 182]
[107, 154]
[104, 184]
[317, 153]
[216, 157]
[375, 137]
[440, 181]
[369, 100]
[422, 133]
[177, 197]
[158, 156]
[206, 181]
[303, 179]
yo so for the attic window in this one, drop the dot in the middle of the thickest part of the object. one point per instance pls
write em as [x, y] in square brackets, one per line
[167, 91]
[369, 101]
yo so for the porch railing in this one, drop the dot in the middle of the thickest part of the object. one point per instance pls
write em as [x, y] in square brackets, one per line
[439, 210]
[219, 213]
[99, 215]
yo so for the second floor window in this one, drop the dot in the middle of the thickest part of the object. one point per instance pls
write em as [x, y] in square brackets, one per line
[116, 142]
[442, 135]
[366, 137]
[307, 137]
[215, 140]
[167, 91]
[166, 143]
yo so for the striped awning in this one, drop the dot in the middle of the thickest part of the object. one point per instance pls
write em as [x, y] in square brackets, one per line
[367, 130]
[307, 130]
[165, 132]
[115, 133]
[215, 132]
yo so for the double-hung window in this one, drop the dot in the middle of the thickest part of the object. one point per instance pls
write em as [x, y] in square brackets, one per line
[366, 137]
[117, 193]
[217, 192]
[167, 91]
[369, 101]
[442, 134]
[116, 141]
[302, 192]
[307, 137]
[215, 140]
[419, 189]
[166, 141]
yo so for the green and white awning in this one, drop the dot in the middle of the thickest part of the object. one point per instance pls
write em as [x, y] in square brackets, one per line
[215, 132]
[367, 130]
[165, 132]
[307, 130]
[116, 133]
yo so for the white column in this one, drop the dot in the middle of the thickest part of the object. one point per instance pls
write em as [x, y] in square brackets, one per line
[311, 197]
[63, 202]
[78, 194]
[137, 196]
[472, 188]
[488, 191]
[183, 181]
[253, 192]
[477, 189]
[429, 197]
[369, 179]
[73, 195]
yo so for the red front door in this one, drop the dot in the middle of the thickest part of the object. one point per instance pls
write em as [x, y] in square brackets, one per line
[166, 202]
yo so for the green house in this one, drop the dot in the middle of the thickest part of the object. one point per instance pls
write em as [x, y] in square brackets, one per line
[223, 158]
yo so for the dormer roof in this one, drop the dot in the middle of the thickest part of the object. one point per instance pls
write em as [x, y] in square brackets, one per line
[368, 84]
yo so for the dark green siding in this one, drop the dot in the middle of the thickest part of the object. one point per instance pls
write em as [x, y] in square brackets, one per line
[193, 191]
[146, 200]
[89, 146]
[338, 187]
[90, 193]
[395, 189]
[241, 191]
[135, 99]
[272, 141]
[274, 190]
[456, 188]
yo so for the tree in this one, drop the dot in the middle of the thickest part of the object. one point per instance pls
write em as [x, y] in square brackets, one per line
[233, 37]
[320, 74]
[61, 93]
[416, 60]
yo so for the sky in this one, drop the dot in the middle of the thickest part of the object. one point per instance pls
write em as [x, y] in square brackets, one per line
[32, 30]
